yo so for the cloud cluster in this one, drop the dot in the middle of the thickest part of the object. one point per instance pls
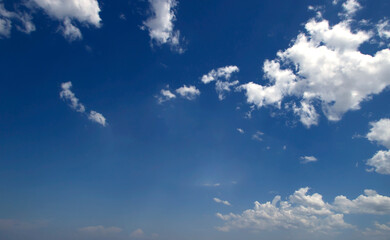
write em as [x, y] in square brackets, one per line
[187, 92]
[380, 133]
[85, 12]
[324, 68]
[67, 95]
[305, 212]
[221, 76]
[160, 24]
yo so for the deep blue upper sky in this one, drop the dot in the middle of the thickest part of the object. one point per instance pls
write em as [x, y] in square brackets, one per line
[157, 170]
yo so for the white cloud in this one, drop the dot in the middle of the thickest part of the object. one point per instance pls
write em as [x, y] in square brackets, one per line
[97, 117]
[212, 184]
[323, 65]
[258, 136]
[304, 212]
[307, 113]
[222, 76]
[139, 233]
[84, 11]
[160, 24]
[165, 95]
[190, 92]
[222, 87]
[369, 203]
[380, 133]
[70, 32]
[220, 73]
[381, 231]
[308, 159]
[23, 22]
[351, 7]
[217, 200]
[383, 28]
[100, 230]
[240, 130]
[380, 162]
[67, 95]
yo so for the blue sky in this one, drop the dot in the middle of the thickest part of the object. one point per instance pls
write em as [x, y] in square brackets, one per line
[164, 119]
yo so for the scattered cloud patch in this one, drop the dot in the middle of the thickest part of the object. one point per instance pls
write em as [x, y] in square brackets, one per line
[323, 66]
[23, 21]
[85, 12]
[258, 136]
[139, 233]
[165, 95]
[67, 95]
[188, 92]
[100, 230]
[217, 200]
[380, 133]
[240, 130]
[160, 24]
[350, 7]
[97, 117]
[308, 159]
[222, 78]
[305, 212]
[211, 184]
[69, 31]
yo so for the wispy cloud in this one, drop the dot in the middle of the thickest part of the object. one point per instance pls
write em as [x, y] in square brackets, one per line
[67, 95]
[308, 159]
[217, 200]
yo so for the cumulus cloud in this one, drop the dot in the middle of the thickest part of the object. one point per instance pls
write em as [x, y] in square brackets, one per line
[217, 200]
[369, 203]
[324, 66]
[380, 133]
[308, 159]
[161, 24]
[100, 230]
[240, 130]
[380, 162]
[67, 95]
[86, 12]
[188, 92]
[305, 212]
